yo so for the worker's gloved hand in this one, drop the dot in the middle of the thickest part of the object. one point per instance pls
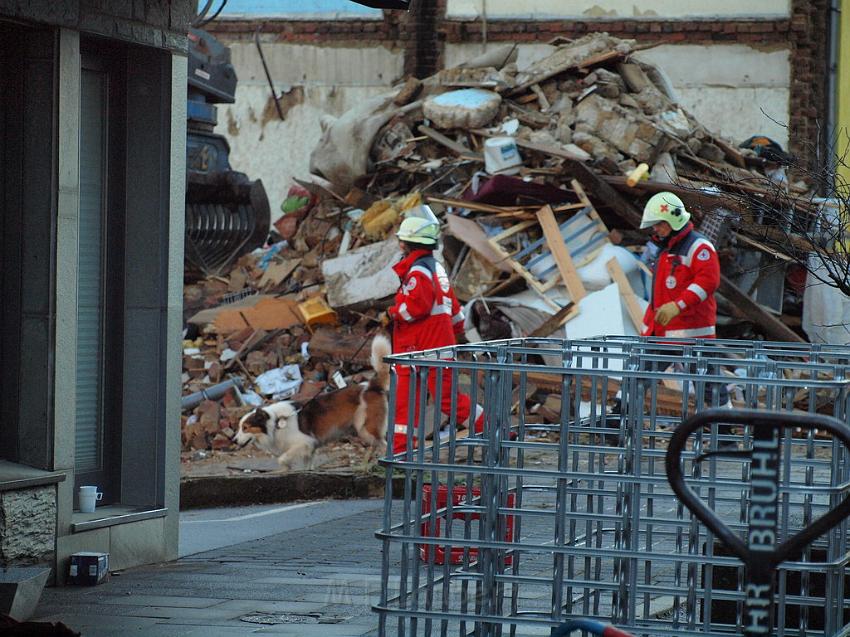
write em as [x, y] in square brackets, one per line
[666, 313]
[384, 319]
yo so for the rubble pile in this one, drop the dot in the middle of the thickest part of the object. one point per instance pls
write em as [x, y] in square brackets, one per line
[539, 176]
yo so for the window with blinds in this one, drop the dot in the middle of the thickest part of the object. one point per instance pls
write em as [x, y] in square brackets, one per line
[91, 262]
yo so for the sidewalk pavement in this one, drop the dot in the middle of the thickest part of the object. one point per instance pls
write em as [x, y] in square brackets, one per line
[311, 569]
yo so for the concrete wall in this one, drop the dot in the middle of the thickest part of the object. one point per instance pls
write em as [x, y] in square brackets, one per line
[558, 9]
[314, 81]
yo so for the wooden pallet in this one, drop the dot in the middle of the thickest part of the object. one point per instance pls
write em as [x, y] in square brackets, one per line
[568, 244]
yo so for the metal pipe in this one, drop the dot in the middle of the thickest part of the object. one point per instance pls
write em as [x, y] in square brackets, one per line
[268, 74]
[210, 393]
[832, 91]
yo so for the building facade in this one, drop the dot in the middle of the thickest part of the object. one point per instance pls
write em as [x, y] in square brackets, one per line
[92, 182]
[741, 68]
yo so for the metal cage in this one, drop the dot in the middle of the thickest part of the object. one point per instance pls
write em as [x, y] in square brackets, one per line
[514, 530]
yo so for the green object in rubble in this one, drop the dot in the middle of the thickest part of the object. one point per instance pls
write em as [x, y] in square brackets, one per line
[292, 204]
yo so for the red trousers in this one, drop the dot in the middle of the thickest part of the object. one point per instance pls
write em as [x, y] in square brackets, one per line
[402, 408]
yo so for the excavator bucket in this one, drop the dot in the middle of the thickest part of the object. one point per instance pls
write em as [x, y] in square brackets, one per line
[227, 214]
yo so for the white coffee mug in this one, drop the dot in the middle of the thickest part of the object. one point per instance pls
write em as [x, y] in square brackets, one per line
[88, 498]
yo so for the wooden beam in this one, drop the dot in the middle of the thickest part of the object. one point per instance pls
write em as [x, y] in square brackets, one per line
[602, 191]
[477, 206]
[626, 292]
[569, 274]
[772, 326]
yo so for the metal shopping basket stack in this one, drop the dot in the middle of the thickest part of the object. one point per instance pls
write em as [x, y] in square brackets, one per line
[501, 536]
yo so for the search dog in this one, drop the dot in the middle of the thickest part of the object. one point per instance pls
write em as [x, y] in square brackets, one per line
[293, 435]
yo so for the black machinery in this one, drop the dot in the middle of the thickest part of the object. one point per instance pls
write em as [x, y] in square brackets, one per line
[227, 214]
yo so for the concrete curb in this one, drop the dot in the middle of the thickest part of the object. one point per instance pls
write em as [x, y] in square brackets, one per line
[220, 491]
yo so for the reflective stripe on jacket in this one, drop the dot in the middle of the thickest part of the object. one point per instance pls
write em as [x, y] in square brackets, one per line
[426, 312]
[686, 272]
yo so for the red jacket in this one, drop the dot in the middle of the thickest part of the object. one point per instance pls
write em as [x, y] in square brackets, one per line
[426, 313]
[687, 272]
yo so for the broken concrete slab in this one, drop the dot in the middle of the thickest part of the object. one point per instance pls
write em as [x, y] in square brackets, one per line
[361, 275]
[465, 108]
[574, 54]
[620, 127]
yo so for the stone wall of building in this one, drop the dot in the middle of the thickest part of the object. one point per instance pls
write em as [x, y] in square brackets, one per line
[158, 23]
[28, 525]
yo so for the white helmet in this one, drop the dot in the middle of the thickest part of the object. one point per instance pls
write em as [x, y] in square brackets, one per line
[665, 206]
[420, 226]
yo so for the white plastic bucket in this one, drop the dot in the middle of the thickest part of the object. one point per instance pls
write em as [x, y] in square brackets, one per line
[501, 156]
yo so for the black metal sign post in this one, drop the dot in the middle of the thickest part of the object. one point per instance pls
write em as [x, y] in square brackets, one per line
[761, 553]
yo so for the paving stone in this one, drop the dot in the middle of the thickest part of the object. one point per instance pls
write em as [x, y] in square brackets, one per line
[160, 600]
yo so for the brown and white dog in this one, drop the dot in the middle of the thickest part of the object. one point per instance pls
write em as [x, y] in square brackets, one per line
[294, 435]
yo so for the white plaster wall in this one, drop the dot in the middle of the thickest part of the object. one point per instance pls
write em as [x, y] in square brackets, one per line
[675, 9]
[315, 81]
[305, 64]
[275, 151]
[733, 89]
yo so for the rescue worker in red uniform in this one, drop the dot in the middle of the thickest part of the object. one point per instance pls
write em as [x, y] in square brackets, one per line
[685, 276]
[686, 273]
[425, 315]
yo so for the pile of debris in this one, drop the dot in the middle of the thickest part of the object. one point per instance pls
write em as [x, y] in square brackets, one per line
[589, 130]
[539, 176]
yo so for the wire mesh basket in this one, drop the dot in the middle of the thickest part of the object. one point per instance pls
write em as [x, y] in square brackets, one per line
[574, 517]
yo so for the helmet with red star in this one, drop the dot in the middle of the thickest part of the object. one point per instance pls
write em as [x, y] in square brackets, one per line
[665, 206]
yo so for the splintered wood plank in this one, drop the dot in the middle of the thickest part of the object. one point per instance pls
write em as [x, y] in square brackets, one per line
[276, 273]
[449, 143]
[468, 231]
[559, 251]
[626, 292]
[556, 320]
